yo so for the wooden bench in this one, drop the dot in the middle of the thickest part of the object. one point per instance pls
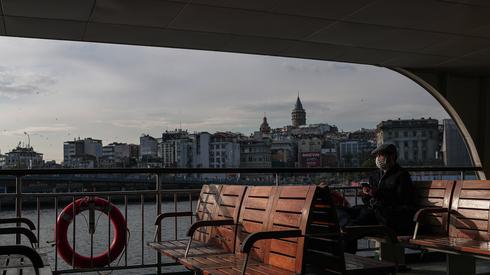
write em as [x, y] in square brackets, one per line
[278, 232]
[21, 259]
[217, 204]
[468, 233]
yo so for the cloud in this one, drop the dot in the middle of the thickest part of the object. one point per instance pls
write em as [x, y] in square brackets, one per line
[37, 130]
[16, 82]
[138, 123]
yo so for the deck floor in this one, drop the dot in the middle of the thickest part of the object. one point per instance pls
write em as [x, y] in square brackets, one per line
[435, 264]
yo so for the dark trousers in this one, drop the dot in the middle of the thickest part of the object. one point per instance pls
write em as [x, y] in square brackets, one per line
[360, 215]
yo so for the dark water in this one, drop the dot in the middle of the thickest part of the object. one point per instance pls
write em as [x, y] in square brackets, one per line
[137, 250]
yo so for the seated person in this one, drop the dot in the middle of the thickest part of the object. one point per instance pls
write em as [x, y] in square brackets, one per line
[388, 199]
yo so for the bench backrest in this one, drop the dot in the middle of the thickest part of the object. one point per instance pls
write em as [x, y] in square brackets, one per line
[436, 193]
[291, 209]
[270, 208]
[254, 216]
[227, 207]
[469, 215]
[219, 202]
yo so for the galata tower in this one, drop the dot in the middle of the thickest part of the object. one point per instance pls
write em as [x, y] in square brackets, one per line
[298, 116]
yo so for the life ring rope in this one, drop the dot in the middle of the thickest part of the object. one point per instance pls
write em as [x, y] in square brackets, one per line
[117, 246]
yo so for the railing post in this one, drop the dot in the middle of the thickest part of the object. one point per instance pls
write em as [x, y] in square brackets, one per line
[277, 179]
[462, 175]
[18, 203]
[158, 184]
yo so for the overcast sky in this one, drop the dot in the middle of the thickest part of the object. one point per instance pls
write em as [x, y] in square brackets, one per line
[57, 90]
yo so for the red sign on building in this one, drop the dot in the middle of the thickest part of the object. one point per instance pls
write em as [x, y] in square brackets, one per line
[310, 159]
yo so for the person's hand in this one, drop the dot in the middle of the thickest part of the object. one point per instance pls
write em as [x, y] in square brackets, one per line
[366, 190]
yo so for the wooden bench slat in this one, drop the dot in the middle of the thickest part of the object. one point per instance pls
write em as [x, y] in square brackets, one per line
[430, 193]
[476, 184]
[299, 192]
[473, 204]
[433, 184]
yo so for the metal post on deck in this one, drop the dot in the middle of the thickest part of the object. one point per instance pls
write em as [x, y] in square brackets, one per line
[462, 175]
[18, 203]
[158, 184]
[277, 179]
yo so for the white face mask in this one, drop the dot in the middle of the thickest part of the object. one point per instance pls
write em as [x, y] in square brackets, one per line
[381, 163]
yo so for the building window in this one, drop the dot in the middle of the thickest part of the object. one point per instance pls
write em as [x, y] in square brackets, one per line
[396, 134]
[414, 133]
[405, 134]
[405, 143]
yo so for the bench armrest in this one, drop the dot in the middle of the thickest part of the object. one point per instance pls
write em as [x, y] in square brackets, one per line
[19, 230]
[158, 221]
[257, 236]
[421, 212]
[362, 231]
[26, 221]
[199, 224]
[162, 216]
[23, 250]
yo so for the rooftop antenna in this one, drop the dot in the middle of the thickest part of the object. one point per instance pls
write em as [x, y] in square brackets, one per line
[28, 139]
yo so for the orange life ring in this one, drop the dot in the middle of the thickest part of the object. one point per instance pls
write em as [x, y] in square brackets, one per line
[66, 217]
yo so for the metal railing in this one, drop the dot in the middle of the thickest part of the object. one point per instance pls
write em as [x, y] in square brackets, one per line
[277, 176]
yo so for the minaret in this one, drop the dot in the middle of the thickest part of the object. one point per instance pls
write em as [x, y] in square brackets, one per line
[298, 116]
[264, 127]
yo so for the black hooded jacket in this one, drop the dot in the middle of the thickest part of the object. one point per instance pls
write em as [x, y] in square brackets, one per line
[393, 199]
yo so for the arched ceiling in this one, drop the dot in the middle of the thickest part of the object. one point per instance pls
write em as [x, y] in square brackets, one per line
[430, 34]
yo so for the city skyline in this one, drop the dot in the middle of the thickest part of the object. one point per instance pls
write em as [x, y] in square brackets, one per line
[57, 91]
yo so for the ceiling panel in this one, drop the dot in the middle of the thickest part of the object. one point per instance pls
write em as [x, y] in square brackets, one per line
[313, 50]
[482, 55]
[259, 45]
[483, 3]
[242, 22]
[320, 8]
[458, 46]
[482, 31]
[378, 37]
[465, 64]
[260, 5]
[2, 27]
[154, 13]
[406, 60]
[154, 36]
[44, 28]
[365, 56]
[424, 15]
[55, 9]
